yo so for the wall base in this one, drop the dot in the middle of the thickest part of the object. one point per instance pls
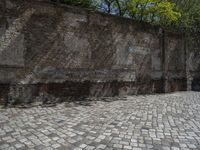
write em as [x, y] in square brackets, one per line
[27, 93]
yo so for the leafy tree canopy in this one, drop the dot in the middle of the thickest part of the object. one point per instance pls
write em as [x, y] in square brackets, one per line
[179, 14]
[155, 11]
[190, 15]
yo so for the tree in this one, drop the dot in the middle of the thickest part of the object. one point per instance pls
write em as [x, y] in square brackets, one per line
[189, 23]
[115, 7]
[190, 10]
[154, 11]
[179, 14]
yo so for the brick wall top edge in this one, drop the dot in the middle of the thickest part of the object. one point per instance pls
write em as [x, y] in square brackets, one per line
[119, 19]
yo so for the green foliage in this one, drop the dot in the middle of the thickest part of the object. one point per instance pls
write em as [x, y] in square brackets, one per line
[190, 19]
[155, 11]
[178, 14]
[189, 22]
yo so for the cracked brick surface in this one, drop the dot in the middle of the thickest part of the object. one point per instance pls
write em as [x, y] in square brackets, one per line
[158, 122]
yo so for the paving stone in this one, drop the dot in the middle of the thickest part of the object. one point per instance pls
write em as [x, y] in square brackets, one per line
[18, 145]
[191, 146]
[56, 146]
[175, 148]
[77, 148]
[117, 146]
[83, 146]
[4, 146]
[127, 147]
[90, 148]
[165, 148]
[166, 121]
[101, 146]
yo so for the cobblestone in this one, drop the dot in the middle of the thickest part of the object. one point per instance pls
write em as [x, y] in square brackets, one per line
[157, 122]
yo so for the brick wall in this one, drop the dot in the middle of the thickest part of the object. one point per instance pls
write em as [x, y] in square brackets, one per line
[73, 51]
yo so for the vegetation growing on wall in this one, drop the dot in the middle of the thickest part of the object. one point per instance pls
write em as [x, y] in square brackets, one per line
[179, 14]
[190, 15]
[153, 11]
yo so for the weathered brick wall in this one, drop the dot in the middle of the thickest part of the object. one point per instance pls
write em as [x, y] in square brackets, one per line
[175, 62]
[71, 51]
[193, 63]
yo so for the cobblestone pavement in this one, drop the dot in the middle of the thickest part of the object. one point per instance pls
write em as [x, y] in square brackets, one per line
[166, 121]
